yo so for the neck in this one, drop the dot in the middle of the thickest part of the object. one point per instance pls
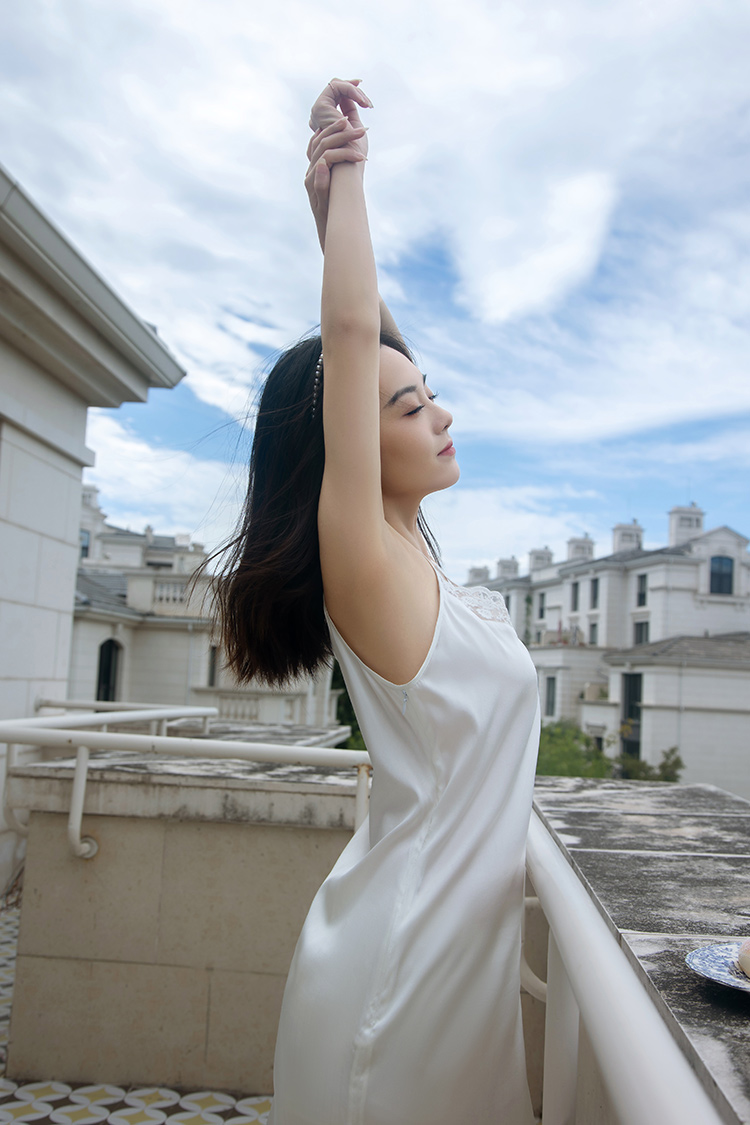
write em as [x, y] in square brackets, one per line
[402, 517]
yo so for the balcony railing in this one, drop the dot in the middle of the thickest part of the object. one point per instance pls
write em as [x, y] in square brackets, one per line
[591, 984]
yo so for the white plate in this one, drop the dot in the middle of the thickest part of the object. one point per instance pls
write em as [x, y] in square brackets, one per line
[719, 963]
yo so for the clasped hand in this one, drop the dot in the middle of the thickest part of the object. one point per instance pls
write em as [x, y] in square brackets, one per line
[338, 136]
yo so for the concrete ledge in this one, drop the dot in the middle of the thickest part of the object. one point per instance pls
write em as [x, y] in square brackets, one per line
[668, 868]
[130, 785]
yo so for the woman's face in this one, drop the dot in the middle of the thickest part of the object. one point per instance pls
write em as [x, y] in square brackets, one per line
[416, 452]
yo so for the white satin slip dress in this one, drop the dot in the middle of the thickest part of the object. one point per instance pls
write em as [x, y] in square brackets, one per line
[402, 1005]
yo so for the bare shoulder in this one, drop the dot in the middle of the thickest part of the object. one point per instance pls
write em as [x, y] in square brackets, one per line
[385, 605]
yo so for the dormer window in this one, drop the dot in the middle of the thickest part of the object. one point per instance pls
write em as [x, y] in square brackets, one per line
[722, 575]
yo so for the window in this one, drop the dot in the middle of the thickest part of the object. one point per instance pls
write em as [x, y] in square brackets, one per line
[574, 598]
[642, 589]
[106, 677]
[640, 633]
[550, 691]
[722, 573]
[85, 538]
[632, 691]
[593, 633]
[507, 602]
[540, 614]
[594, 593]
[213, 653]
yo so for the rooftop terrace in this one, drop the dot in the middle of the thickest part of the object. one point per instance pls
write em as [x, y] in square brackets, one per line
[202, 877]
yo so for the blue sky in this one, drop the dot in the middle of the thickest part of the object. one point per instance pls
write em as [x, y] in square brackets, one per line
[560, 211]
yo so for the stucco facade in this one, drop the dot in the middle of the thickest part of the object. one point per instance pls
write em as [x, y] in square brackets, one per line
[137, 605]
[592, 622]
[67, 342]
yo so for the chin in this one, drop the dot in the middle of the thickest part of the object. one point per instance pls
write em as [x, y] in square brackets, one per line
[451, 481]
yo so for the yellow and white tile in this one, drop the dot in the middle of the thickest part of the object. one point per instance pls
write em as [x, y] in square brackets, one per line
[137, 1115]
[152, 1097]
[79, 1113]
[206, 1101]
[101, 1095]
[24, 1111]
[43, 1092]
[257, 1108]
[195, 1117]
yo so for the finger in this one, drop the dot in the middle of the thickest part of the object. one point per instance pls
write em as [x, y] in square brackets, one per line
[350, 110]
[350, 89]
[339, 139]
[317, 182]
[326, 131]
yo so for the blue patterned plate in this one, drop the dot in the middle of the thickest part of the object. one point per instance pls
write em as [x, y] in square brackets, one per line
[719, 963]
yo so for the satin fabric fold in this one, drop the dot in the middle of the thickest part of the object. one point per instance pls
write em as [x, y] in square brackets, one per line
[402, 1005]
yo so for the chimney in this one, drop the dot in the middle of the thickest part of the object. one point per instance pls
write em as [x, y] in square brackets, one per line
[507, 568]
[684, 524]
[627, 537]
[478, 575]
[580, 548]
[539, 558]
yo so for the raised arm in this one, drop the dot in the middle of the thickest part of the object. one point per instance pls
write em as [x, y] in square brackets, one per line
[351, 514]
[380, 589]
[331, 144]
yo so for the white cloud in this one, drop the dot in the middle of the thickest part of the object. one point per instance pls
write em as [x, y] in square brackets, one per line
[581, 168]
[170, 489]
[476, 526]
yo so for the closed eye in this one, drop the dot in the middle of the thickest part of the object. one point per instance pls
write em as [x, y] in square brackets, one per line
[417, 409]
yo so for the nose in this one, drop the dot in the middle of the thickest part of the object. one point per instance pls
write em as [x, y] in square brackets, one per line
[445, 418]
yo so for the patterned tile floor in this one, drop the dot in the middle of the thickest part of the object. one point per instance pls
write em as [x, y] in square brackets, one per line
[90, 1105]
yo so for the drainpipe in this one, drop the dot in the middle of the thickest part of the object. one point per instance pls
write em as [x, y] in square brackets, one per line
[310, 703]
[680, 707]
[189, 663]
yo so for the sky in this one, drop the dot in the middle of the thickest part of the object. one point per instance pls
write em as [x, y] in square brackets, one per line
[559, 196]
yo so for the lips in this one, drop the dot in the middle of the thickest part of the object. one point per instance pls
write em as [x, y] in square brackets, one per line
[449, 450]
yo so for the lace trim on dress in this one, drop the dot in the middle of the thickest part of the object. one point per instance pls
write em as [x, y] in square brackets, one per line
[487, 604]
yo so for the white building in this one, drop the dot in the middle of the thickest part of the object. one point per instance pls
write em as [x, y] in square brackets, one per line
[591, 623]
[689, 692]
[142, 633]
[67, 342]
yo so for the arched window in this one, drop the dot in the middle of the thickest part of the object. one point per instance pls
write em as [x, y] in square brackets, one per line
[722, 574]
[106, 677]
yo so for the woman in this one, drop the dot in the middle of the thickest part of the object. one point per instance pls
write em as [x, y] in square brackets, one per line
[402, 1003]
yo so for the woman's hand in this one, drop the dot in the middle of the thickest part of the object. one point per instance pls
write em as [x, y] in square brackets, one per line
[338, 137]
[339, 96]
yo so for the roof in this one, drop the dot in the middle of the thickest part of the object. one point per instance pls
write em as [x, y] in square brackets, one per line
[74, 325]
[724, 649]
[622, 558]
[105, 590]
[156, 542]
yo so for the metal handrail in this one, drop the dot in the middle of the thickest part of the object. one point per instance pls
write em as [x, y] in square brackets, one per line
[98, 705]
[37, 732]
[152, 715]
[646, 1075]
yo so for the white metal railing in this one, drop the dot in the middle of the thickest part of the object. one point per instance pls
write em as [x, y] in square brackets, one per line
[54, 732]
[646, 1075]
[589, 978]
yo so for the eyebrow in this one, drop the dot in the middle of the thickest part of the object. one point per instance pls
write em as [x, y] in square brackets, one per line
[404, 391]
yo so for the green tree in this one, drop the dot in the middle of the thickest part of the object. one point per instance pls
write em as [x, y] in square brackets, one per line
[567, 751]
[345, 712]
[669, 768]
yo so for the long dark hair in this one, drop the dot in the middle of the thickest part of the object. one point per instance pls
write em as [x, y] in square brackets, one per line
[269, 589]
